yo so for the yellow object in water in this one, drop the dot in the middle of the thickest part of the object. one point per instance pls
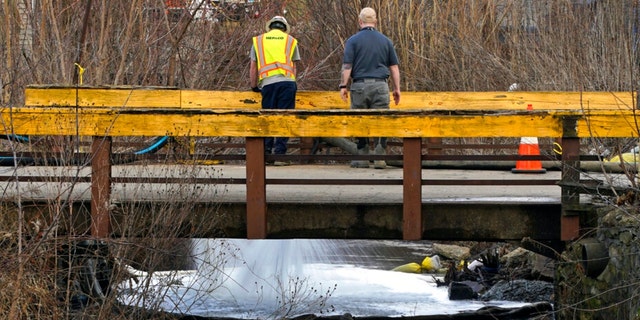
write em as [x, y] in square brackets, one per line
[411, 267]
[627, 157]
[428, 264]
[431, 263]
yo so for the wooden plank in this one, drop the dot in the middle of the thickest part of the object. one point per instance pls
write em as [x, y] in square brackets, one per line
[103, 97]
[517, 100]
[305, 100]
[327, 123]
[319, 100]
[284, 124]
[201, 99]
[161, 97]
[609, 125]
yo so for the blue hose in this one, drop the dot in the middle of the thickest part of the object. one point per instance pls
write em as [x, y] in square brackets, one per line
[15, 137]
[155, 146]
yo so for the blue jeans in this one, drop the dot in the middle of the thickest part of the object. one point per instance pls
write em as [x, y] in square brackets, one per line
[281, 96]
[370, 95]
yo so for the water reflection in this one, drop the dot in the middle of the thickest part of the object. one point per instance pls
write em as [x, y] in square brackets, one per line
[283, 278]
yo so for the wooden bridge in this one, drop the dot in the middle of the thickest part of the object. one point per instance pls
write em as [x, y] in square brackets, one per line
[106, 112]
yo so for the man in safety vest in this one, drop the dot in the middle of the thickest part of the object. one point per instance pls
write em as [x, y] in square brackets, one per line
[273, 73]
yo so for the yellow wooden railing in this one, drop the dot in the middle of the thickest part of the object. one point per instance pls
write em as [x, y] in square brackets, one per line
[159, 111]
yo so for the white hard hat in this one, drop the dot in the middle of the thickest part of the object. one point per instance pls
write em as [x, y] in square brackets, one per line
[279, 19]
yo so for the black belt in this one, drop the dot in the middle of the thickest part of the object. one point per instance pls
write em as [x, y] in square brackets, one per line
[369, 80]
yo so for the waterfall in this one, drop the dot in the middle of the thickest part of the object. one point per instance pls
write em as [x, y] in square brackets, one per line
[266, 279]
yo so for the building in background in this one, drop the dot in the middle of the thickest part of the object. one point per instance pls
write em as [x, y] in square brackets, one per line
[212, 10]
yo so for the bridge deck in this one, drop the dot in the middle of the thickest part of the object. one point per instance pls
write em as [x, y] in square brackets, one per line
[473, 212]
[278, 191]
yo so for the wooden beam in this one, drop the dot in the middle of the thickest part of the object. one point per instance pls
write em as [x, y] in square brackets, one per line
[517, 100]
[101, 187]
[412, 189]
[350, 123]
[306, 123]
[168, 97]
[103, 97]
[570, 197]
[256, 189]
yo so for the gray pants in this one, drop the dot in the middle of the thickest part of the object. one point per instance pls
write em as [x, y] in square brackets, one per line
[370, 95]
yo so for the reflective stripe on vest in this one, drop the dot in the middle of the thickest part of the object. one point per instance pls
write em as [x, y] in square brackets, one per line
[275, 51]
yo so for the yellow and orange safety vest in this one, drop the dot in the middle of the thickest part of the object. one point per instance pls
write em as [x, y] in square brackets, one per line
[274, 51]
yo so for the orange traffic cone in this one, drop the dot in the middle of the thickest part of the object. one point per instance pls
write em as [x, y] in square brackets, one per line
[529, 146]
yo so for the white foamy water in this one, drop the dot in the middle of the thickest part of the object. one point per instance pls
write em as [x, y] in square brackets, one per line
[284, 278]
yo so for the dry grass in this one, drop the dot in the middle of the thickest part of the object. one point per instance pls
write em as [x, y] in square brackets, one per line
[545, 45]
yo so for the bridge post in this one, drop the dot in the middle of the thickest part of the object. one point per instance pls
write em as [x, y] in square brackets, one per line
[570, 198]
[256, 189]
[100, 186]
[412, 189]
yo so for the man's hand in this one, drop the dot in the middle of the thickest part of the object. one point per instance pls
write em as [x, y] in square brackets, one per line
[396, 96]
[344, 94]
[255, 89]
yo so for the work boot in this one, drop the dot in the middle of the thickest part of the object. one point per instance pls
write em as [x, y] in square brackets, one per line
[361, 163]
[379, 164]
